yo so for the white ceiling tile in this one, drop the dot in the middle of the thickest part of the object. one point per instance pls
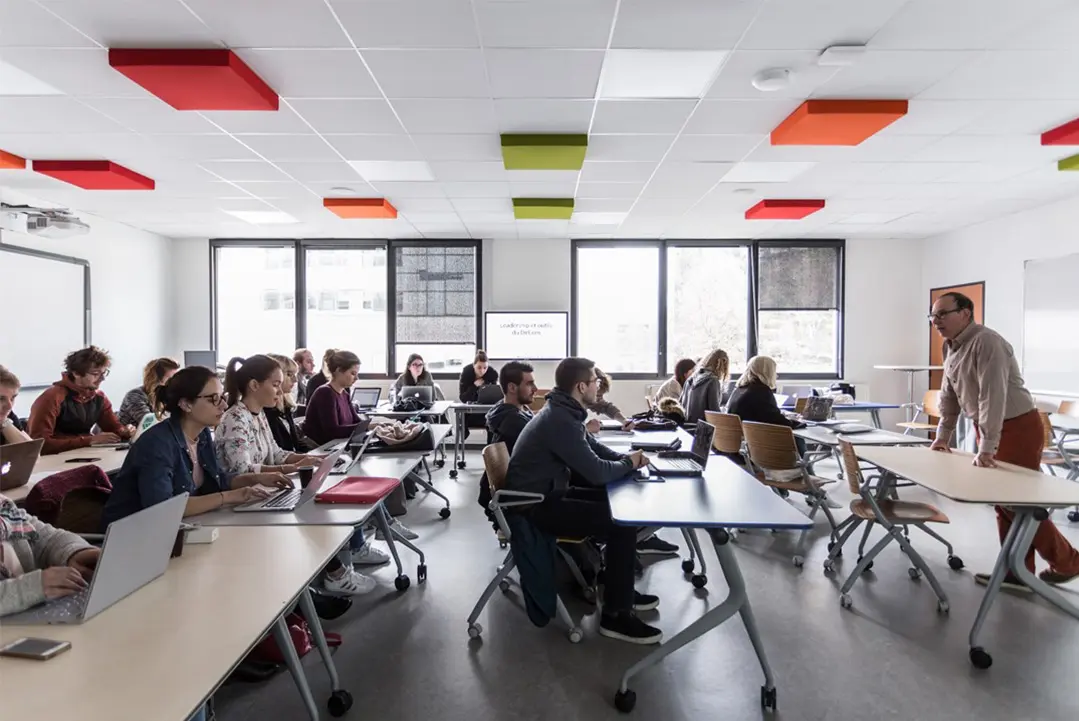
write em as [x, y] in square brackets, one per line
[375, 171]
[145, 115]
[507, 231]
[585, 217]
[487, 206]
[15, 81]
[540, 189]
[312, 72]
[1008, 75]
[1031, 117]
[429, 73]
[453, 171]
[552, 24]
[1053, 31]
[348, 116]
[424, 205]
[974, 148]
[817, 24]
[52, 114]
[715, 147]
[959, 24]
[735, 80]
[718, 117]
[473, 219]
[409, 189]
[628, 147]
[765, 172]
[659, 73]
[305, 171]
[544, 73]
[884, 147]
[284, 120]
[142, 24]
[275, 190]
[375, 147]
[609, 190]
[459, 147]
[455, 190]
[641, 116]
[37, 27]
[243, 170]
[271, 23]
[344, 186]
[42, 145]
[543, 116]
[766, 152]
[601, 171]
[202, 147]
[409, 24]
[290, 147]
[938, 117]
[678, 179]
[988, 172]
[419, 218]
[890, 74]
[542, 176]
[603, 205]
[682, 24]
[458, 115]
[81, 73]
[263, 217]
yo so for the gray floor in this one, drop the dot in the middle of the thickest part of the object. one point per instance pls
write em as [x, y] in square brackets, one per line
[407, 656]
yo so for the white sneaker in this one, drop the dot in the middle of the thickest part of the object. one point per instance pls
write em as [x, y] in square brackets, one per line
[400, 528]
[369, 556]
[351, 583]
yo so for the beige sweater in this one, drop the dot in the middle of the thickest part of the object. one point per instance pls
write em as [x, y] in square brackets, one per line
[53, 547]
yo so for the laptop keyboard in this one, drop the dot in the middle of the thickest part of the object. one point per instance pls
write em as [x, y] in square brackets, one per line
[283, 499]
[680, 464]
[63, 608]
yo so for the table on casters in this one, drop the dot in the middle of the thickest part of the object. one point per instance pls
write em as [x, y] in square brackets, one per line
[1028, 493]
[461, 411]
[725, 497]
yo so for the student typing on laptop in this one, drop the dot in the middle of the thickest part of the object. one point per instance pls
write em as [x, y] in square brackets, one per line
[9, 391]
[754, 397]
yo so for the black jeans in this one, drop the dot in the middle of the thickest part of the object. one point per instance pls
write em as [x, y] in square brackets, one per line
[578, 512]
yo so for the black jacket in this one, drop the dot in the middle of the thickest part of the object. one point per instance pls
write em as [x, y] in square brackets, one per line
[467, 389]
[317, 380]
[756, 403]
[505, 423]
[702, 392]
[283, 428]
[555, 446]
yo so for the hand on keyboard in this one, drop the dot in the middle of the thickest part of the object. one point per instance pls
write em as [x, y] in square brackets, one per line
[60, 581]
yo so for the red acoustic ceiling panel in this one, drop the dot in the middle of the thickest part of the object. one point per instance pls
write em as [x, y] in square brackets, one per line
[10, 161]
[94, 174]
[360, 207]
[1066, 134]
[837, 122]
[783, 209]
[204, 79]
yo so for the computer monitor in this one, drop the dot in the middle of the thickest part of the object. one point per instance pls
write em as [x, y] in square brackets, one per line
[204, 358]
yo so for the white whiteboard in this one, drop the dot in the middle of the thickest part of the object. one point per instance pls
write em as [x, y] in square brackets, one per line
[1051, 324]
[526, 335]
[45, 303]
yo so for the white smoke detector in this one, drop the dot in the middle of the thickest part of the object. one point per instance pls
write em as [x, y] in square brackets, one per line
[773, 79]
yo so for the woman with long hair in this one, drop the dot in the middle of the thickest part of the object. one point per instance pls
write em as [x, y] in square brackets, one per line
[320, 378]
[138, 401]
[280, 415]
[703, 391]
[416, 374]
[672, 388]
[754, 397]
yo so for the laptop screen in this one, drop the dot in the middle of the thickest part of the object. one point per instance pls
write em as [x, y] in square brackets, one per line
[702, 441]
[366, 397]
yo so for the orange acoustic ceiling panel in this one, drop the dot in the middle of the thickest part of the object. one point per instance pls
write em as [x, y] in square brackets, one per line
[783, 209]
[360, 207]
[94, 174]
[1066, 134]
[201, 79]
[10, 161]
[837, 122]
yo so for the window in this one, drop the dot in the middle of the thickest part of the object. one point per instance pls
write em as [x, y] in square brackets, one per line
[251, 284]
[640, 306]
[334, 276]
[436, 305]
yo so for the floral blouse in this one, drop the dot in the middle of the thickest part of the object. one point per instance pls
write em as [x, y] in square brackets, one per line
[244, 442]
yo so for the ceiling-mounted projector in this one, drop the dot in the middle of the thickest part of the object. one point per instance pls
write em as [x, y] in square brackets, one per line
[43, 222]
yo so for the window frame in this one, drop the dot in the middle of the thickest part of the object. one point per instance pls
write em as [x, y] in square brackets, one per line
[752, 297]
[300, 247]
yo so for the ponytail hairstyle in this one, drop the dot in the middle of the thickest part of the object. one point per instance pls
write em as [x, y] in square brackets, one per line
[325, 367]
[604, 383]
[341, 360]
[241, 371]
[154, 372]
[186, 385]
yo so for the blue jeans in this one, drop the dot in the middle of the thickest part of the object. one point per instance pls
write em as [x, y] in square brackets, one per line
[199, 715]
[355, 543]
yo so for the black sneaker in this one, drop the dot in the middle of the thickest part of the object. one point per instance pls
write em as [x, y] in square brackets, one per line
[645, 601]
[627, 627]
[656, 546]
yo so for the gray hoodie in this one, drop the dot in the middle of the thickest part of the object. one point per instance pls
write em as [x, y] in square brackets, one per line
[702, 392]
[51, 547]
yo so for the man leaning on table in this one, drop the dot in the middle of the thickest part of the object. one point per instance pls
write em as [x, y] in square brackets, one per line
[982, 380]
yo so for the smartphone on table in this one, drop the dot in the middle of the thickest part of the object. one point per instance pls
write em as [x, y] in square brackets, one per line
[36, 649]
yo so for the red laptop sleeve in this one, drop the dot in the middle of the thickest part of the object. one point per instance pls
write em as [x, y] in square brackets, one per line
[358, 489]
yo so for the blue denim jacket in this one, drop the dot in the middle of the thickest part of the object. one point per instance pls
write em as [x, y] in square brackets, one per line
[158, 467]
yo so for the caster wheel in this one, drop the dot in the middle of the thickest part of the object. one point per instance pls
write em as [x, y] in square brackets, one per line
[441, 463]
[829, 566]
[798, 561]
[768, 698]
[461, 464]
[845, 601]
[575, 635]
[474, 630]
[943, 607]
[589, 596]
[624, 701]
[868, 566]
[504, 586]
[402, 582]
[1073, 516]
[831, 547]
[339, 703]
[784, 493]
[699, 581]
[955, 563]
[687, 566]
[503, 545]
[444, 513]
[453, 473]
[980, 658]
[421, 573]
[914, 574]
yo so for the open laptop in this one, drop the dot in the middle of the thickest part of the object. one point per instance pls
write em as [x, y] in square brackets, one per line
[781, 400]
[136, 551]
[17, 463]
[817, 409]
[342, 445]
[366, 399]
[425, 394]
[687, 464]
[289, 499]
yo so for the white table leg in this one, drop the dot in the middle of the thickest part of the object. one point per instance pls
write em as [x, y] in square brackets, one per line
[292, 662]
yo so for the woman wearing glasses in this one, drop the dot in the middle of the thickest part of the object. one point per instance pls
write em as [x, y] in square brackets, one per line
[416, 374]
[65, 414]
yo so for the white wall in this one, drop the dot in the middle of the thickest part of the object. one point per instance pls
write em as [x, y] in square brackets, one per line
[130, 297]
[189, 259]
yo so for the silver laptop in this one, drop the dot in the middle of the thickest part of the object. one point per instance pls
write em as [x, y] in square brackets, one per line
[366, 398]
[288, 499]
[17, 463]
[355, 439]
[425, 394]
[136, 551]
[692, 463]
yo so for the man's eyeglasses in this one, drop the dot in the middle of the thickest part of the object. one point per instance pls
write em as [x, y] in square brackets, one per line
[101, 374]
[939, 315]
[214, 398]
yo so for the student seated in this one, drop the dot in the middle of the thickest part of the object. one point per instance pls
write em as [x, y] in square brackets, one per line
[305, 362]
[473, 378]
[754, 397]
[66, 413]
[673, 387]
[600, 405]
[416, 374]
[10, 432]
[280, 415]
[39, 563]
[704, 389]
[319, 379]
[551, 448]
[509, 417]
[136, 403]
[243, 441]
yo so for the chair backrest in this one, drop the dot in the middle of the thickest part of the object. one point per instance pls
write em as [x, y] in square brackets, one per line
[800, 404]
[851, 469]
[1069, 408]
[1048, 441]
[496, 461]
[771, 448]
[931, 403]
[728, 435]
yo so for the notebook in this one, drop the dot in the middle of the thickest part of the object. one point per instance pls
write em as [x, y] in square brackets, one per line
[359, 489]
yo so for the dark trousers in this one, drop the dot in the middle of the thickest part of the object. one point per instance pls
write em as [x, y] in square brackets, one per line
[580, 512]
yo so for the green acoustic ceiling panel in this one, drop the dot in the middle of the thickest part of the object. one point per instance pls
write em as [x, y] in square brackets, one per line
[544, 152]
[1071, 163]
[542, 208]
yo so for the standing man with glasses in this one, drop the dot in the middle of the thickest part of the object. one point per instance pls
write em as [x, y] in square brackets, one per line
[982, 381]
[66, 413]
